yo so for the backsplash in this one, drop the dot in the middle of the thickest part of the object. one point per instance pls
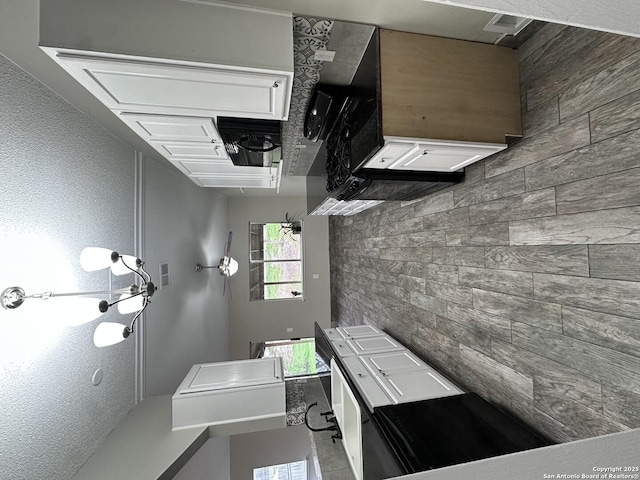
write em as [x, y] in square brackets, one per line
[349, 41]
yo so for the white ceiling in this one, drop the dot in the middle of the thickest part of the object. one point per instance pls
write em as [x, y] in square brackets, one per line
[19, 39]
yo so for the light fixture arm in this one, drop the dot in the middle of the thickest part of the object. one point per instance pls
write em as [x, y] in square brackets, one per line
[94, 258]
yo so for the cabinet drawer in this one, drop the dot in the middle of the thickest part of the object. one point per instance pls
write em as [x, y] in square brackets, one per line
[342, 348]
[363, 345]
[191, 150]
[386, 363]
[234, 181]
[367, 385]
[333, 334]
[172, 127]
[414, 385]
[358, 331]
[388, 154]
[443, 157]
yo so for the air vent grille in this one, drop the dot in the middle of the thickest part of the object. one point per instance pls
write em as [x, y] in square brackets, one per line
[164, 275]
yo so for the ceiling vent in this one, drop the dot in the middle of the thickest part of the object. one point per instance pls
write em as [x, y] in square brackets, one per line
[507, 24]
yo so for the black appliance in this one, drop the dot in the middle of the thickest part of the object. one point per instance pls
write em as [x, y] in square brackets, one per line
[251, 142]
[357, 136]
[451, 430]
[324, 106]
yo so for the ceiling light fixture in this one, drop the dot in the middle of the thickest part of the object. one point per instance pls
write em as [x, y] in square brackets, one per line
[134, 298]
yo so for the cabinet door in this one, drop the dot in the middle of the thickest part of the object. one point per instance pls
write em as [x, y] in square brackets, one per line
[386, 363]
[442, 157]
[172, 89]
[160, 128]
[234, 181]
[364, 345]
[342, 348]
[414, 385]
[388, 154]
[174, 150]
[359, 331]
[369, 388]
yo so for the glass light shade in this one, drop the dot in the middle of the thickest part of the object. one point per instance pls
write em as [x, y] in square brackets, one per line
[130, 304]
[95, 258]
[108, 333]
[233, 266]
[78, 310]
[120, 268]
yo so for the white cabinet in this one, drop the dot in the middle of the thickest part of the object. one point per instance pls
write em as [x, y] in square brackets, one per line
[386, 363]
[378, 344]
[413, 385]
[144, 86]
[370, 389]
[235, 394]
[400, 153]
[342, 348]
[348, 414]
[359, 331]
[162, 128]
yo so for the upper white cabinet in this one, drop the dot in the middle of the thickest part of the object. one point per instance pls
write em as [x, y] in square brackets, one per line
[159, 128]
[169, 68]
[400, 153]
[143, 86]
[358, 331]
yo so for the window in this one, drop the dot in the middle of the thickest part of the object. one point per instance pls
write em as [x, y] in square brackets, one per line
[275, 258]
[299, 356]
[285, 471]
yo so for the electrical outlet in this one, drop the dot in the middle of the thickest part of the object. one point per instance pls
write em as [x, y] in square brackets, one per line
[324, 55]
[316, 276]
[289, 329]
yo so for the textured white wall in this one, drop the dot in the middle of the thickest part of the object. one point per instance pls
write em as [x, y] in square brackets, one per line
[65, 184]
[187, 322]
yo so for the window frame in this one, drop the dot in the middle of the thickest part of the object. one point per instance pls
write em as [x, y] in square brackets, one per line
[262, 262]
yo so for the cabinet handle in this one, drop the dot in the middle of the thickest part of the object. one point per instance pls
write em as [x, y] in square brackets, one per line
[275, 85]
[360, 375]
[425, 152]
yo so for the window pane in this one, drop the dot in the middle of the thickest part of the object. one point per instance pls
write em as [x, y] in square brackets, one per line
[275, 272]
[282, 290]
[285, 471]
[279, 245]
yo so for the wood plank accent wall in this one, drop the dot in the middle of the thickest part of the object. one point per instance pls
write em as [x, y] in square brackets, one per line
[440, 88]
[523, 283]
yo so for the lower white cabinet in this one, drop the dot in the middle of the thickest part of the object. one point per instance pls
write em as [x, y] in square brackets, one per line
[413, 385]
[247, 395]
[419, 154]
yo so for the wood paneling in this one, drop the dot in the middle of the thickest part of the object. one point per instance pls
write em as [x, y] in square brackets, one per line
[617, 262]
[608, 156]
[441, 88]
[621, 225]
[597, 193]
[608, 296]
[547, 326]
[616, 117]
[509, 184]
[605, 86]
[564, 138]
[540, 203]
[521, 309]
[504, 281]
[560, 259]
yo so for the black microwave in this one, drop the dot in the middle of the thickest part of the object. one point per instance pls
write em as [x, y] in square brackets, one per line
[251, 142]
